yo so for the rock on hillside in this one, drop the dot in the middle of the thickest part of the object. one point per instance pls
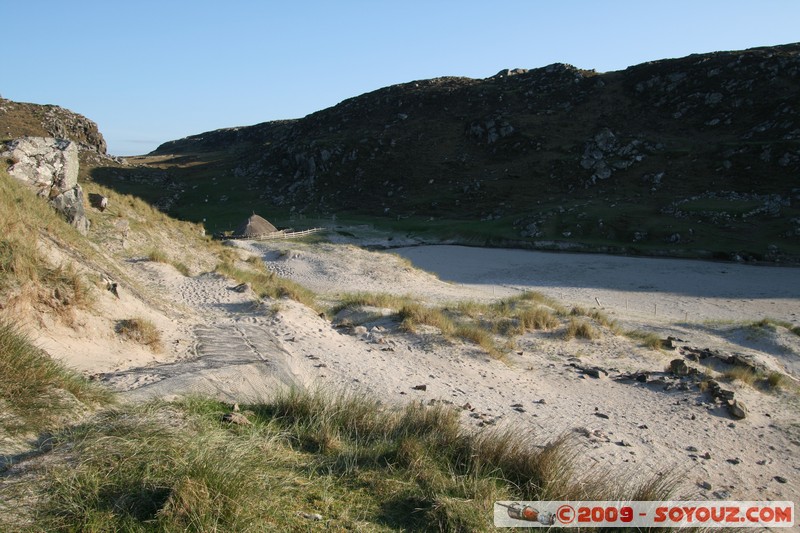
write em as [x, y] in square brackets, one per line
[21, 120]
[50, 166]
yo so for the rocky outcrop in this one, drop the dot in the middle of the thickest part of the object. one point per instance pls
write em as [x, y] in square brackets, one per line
[18, 119]
[50, 166]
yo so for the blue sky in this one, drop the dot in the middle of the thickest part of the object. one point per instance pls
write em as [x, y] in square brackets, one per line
[152, 71]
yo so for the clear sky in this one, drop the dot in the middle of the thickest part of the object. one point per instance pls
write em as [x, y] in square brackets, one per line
[151, 71]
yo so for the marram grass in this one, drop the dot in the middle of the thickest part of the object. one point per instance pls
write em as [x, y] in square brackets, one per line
[356, 463]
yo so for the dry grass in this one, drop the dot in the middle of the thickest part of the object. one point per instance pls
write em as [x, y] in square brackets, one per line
[599, 317]
[413, 315]
[777, 381]
[481, 323]
[369, 299]
[140, 331]
[158, 256]
[538, 318]
[267, 284]
[774, 324]
[360, 464]
[580, 329]
[742, 374]
[35, 390]
[647, 338]
[27, 280]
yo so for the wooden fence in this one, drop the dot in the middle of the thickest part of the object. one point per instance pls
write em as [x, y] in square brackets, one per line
[283, 234]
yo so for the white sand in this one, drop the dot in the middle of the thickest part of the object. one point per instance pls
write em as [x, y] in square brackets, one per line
[219, 342]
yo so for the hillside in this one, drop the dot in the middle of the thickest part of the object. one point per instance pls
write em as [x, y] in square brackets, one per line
[693, 156]
[19, 119]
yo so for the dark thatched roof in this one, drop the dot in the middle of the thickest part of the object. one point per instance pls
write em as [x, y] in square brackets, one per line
[255, 226]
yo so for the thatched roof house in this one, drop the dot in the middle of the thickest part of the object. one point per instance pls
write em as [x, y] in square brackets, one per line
[254, 227]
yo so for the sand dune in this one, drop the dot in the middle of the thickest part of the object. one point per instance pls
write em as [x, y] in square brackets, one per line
[240, 349]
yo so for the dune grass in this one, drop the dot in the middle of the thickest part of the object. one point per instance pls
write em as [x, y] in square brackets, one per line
[381, 300]
[357, 464]
[36, 390]
[647, 338]
[141, 331]
[485, 324]
[773, 324]
[158, 256]
[778, 381]
[27, 280]
[766, 381]
[580, 329]
[265, 283]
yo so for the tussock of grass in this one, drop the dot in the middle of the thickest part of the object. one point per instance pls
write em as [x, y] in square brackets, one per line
[477, 335]
[777, 381]
[141, 331]
[359, 464]
[647, 338]
[35, 390]
[267, 284]
[536, 319]
[773, 324]
[159, 256]
[476, 322]
[369, 299]
[537, 297]
[770, 381]
[163, 478]
[599, 317]
[580, 329]
[413, 315]
[741, 373]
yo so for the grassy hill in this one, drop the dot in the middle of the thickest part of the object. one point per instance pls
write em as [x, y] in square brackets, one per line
[695, 156]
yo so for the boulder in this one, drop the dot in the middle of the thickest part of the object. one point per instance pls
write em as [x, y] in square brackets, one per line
[678, 367]
[50, 166]
[98, 201]
[44, 162]
[70, 205]
[737, 409]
